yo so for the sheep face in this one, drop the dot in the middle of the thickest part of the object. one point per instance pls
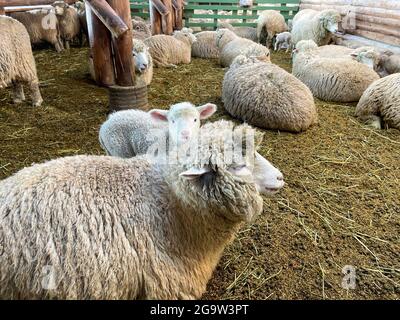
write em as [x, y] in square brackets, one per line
[369, 58]
[60, 7]
[330, 21]
[141, 60]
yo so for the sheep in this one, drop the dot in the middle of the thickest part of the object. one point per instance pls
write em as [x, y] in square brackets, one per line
[100, 227]
[338, 80]
[42, 26]
[388, 63]
[143, 62]
[205, 45]
[283, 41]
[140, 29]
[131, 132]
[230, 46]
[264, 95]
[168, 51]
[318, 26]
[17, 64]
[243, 32]
[270, 23]
[379, 105]
[70, 25]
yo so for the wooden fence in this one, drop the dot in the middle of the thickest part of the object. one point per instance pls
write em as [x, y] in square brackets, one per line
[207, 14]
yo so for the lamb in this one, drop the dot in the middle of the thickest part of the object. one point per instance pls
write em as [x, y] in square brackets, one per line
[388, 63]
[267, 96]
[42, 26]
[17, 64]
[140, 29]
[243, 32]
[168, 51]
[205, 45]
[379, 105]
[131, 132]
[230, 46]
[143, 62]
[99, 227]
[270, 23]
[283, 41]
[70, 25]
[338, 80]
[319, 26]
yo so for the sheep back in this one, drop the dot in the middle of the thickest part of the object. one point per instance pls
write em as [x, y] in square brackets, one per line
[205, 46]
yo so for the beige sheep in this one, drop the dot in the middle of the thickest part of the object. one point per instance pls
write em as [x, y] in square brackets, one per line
[205, 45]
[17, 64]
[262, 94]
[230, 46]
[388, 63]
[140, 29]
[168, 51]
[243, 32]
[69, 23]
[379, 105]
[270, 23]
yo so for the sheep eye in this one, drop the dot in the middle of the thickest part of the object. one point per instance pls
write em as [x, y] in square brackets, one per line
[195, 120]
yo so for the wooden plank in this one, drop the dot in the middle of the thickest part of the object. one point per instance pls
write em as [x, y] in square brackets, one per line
[15, 3]
[233, 7]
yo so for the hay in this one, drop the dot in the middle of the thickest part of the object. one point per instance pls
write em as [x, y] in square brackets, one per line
[340, 206]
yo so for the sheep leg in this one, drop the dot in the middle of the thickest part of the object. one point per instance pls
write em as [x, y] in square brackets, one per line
[35, 94]
[166, 65]
[58, 46]
[67, 46]
[372, 121]
[18, 92]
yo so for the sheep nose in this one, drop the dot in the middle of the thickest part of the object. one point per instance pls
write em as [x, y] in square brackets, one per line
[279, 178]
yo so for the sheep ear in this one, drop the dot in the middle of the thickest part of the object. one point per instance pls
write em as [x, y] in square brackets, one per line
[353, 54]
[160, 115]
[194, 173]
[207, 110]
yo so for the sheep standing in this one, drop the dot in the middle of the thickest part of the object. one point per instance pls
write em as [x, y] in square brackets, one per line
[283, 41]
[230, 46]
[140, 29]
[339, 80]
[267, 96]
[270, 23]
[379, 105]
[205, 45]
[84, 33]
[143, 62]
[168, 51]
[388, 63]
[318, 26]
[243, 32]
[42, 26]
[70, 25]
[98, 227]
[131, 132]
[17, 64]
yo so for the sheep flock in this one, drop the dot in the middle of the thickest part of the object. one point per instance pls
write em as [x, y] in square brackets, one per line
[148, 203]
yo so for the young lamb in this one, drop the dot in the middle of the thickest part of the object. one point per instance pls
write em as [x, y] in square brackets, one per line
[283, 41]
[339, 80]
[270, 23]
[230, 46]
[379, 105]
[388, 63]
[243, 32]
[168, 51]
[17, 64]
[70, 25]
[99, 227]
[131, 132]
[318, 26]
[143, 62]
[205, 45]
[140, 29]
[267, 96]
[34, 22]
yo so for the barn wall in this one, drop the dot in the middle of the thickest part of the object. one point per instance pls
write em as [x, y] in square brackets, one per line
[373, 19]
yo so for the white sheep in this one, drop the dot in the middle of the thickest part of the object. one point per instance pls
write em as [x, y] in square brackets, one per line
[69, 23]
[270, 23]
[143, 62]
[98, 227]
[318, 26]
[283, 41]
[131, 132]
[388, 63]
[379, 105]
[230, 46]
[243, 32]
[205, 46]
[17, 64]
[339, 80]
[140, 29]
[168, 51]
[262, 94]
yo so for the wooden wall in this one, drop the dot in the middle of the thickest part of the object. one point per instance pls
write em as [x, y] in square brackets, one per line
[373, 19]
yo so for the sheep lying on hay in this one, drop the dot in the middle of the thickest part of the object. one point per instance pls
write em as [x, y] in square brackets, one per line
[205, 45]
[110, 228]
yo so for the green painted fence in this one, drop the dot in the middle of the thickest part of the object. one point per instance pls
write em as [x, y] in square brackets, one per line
[213, 11]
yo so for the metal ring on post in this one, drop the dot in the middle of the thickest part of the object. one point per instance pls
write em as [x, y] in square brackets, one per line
[122, 98]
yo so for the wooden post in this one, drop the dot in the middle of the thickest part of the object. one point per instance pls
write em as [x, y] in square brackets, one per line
[167, 20]
[123, 60]
[155, 18]
[178, 16]
[13, 3]
[2, 11]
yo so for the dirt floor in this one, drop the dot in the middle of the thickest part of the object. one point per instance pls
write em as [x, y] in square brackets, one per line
[340, 206]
